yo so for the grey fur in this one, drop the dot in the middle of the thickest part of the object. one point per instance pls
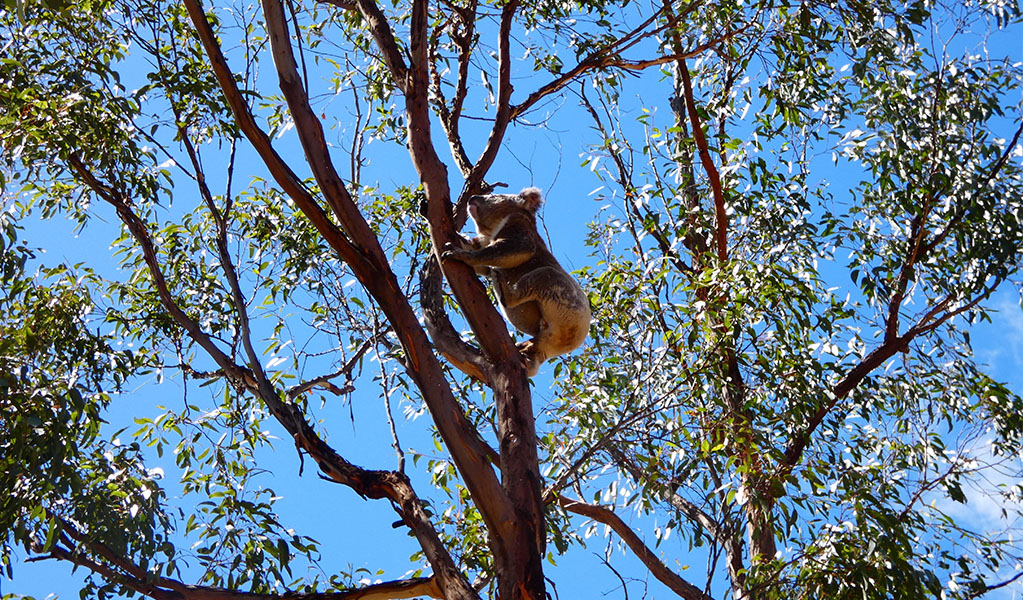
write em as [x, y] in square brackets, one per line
[535, 293]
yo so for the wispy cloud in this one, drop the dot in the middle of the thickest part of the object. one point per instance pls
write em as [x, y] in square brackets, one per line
[999, 344]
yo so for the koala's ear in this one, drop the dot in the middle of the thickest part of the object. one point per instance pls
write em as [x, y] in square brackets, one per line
[531, 198]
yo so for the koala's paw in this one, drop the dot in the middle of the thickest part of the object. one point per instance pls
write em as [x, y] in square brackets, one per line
[452, 251]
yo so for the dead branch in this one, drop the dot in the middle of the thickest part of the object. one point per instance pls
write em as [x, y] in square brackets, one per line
[324, 381]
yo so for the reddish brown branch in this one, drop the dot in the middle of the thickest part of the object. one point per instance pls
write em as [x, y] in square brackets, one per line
[647, 556]
[367, 483]
[314, 142]
[928, 322]
[917, 248]
[342, 4]
[597, 59]
[139, 585]
[504, 111]
[713, 176]
[608, 58]
[372, 484]
[699, 136]
[370, 267]
[385, 40]
[913, 253]
[165, 588]
[514, 514]
[451, 117]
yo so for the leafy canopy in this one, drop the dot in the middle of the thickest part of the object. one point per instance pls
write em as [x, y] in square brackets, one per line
[803, 210]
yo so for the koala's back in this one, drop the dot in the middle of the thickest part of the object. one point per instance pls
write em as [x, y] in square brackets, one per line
[562, 307]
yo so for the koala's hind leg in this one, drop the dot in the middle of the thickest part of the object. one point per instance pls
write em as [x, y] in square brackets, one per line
[563, 315]
[526, 317]
[563, 329]
[532, 356]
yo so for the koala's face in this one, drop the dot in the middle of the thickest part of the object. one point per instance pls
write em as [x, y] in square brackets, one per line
[488, 212]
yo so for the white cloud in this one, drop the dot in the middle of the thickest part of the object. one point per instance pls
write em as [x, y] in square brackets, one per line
[999, 344]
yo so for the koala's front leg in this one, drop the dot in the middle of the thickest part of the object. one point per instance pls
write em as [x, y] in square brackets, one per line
[464, 251]
[503, 253]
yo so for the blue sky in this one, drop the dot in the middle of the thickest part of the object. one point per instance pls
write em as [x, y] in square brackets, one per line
[367, 540]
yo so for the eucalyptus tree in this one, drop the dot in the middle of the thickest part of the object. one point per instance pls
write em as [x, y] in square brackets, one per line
[283, 176]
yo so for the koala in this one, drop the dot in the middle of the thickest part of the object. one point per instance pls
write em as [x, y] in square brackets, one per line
[538, 296]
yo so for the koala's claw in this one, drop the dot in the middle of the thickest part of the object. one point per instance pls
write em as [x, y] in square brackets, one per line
[529, 354]
[450, 251]
[528, 350]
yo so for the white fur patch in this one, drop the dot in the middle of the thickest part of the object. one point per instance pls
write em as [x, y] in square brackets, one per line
[500, 225]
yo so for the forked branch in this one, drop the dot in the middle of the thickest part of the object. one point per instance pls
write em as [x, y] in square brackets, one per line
[368, 262]
[930, 321]
[367, 483]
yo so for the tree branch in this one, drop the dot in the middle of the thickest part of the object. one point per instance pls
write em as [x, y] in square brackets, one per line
[647, 556]
[385, 40]
[227, 263]
[139, 585]
[913, 254]
[713, 177]
[464, 356]
[474, 179]
[514, 513]
[624, 180]
[928, 322]
[966, 204]
[164, 588]
[370, 268]
[342, 4]
[365, 482]
[995, 586]
[893, 343]
[727, 534]
[450, 118]
[314, 143]
[324, 382]
[595, 60]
